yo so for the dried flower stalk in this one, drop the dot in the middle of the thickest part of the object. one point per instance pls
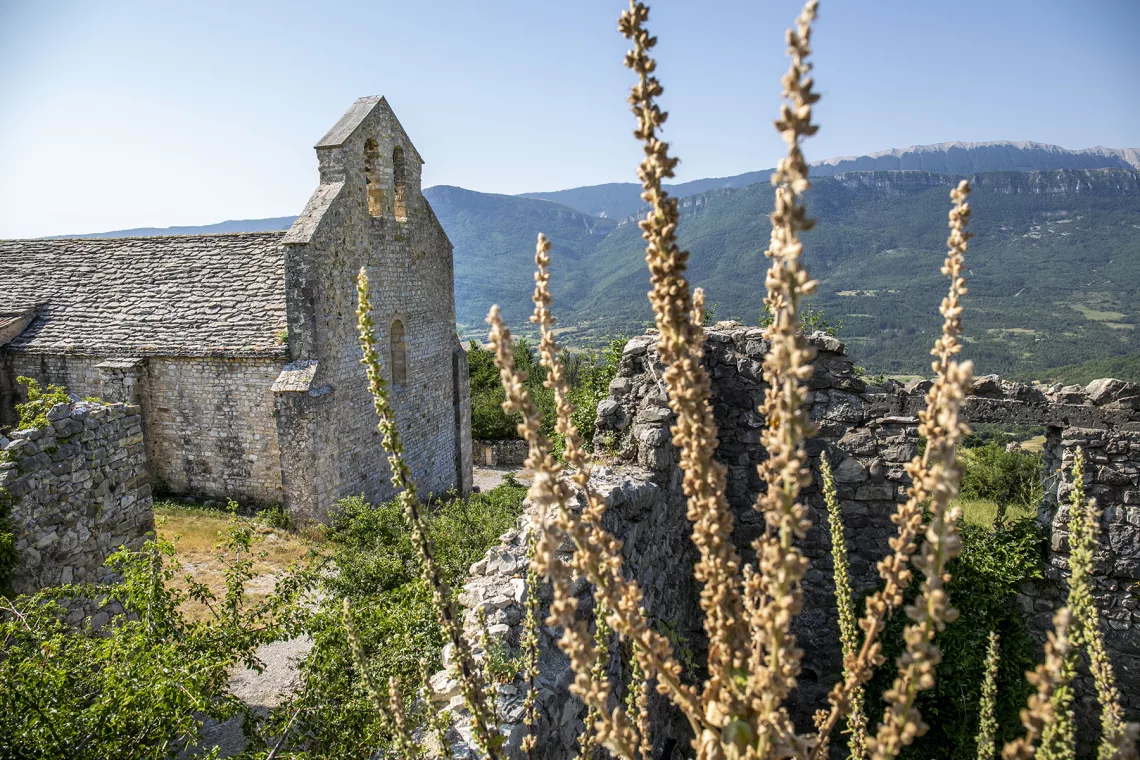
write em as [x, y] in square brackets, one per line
[848, 627]
[987, 723]
[1046, 678]
[774, 592]
[681, 347]
[1118, 740]
[477, 697]
[597, 555]
[530, 652]
[936, 473]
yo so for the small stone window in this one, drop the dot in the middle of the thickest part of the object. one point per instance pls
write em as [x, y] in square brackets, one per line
[373, 188]
[400, 181]
[399, 352]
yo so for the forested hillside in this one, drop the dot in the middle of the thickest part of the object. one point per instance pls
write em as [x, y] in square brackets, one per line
[1054, 271]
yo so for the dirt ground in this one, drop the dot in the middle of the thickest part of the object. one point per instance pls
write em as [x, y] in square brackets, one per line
[486, 478]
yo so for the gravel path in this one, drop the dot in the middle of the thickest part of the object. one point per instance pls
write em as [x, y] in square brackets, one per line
[262, 691]
[486, 478]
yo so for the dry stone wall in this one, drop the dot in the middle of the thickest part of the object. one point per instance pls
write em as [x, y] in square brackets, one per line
[868, 433]
[77, 490]
[499, 453]
[643, 513]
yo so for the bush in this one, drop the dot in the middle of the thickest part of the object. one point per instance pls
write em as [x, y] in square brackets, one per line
[488, 420]
[588, 374]
[33, 412]
[142, 685]
[1008, 478]
[983, 587]
[378, 572]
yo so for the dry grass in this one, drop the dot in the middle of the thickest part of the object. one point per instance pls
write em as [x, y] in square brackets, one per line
[196, 532]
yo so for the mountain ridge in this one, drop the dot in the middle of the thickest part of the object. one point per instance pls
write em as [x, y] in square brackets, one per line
[620, 200]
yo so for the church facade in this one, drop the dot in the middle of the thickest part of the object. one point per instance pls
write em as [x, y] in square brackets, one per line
[241, 349]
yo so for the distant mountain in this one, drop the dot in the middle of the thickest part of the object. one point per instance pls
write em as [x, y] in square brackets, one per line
[967, 158]
[1054, 271]
[494, 238]
[620, 200]
[236, 225]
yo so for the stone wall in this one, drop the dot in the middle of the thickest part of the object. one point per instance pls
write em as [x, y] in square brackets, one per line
[77, 490]
[211, 429]
[867, 433]
[499, 453]
[644, 513]
[209, 421]
[409, 263]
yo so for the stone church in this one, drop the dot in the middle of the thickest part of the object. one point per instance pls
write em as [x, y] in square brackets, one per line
[241, 349]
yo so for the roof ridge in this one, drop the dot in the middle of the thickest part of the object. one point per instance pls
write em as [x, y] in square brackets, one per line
[97, 238]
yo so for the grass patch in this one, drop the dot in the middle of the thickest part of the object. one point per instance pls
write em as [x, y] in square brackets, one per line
[196, 531]
[981, 512]
[1098, 315]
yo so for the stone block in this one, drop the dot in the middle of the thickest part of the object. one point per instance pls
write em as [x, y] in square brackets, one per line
[850, 470]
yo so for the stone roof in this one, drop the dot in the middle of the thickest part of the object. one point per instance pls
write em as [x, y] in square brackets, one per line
[192, 295]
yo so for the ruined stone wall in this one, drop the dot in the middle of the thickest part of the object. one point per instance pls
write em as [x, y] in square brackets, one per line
[499, 453]
[868, 434]
[644, 513]
[408, 260]
[209, 421]
[77, 490]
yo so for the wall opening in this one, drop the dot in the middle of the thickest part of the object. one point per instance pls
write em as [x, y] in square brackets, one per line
[399, 352]
[400, 181]
[373, 189]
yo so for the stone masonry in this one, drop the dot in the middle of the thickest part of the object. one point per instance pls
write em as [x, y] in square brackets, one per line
[499, 453]
[867, 433]
[77, 490]
[241, 350]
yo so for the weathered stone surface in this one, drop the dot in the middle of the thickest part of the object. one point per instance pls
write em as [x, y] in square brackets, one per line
[499, 453]
[72, 510]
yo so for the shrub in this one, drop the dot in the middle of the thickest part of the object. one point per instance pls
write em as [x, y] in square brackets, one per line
[488, 420]
[1009, 478]
[142, 685]
[33, 412]
[377, 570]
[983, 584]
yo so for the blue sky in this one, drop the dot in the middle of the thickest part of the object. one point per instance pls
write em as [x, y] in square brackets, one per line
[127, 114]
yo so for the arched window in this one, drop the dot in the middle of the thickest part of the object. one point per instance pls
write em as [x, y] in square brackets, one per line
[399, 352]
[400, 181]
[373, 188]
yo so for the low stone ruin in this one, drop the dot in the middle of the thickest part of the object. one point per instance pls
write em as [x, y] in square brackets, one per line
[77, 490]
[868, 433]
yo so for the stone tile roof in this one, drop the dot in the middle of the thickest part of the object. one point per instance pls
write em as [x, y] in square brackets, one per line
[192, 295]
